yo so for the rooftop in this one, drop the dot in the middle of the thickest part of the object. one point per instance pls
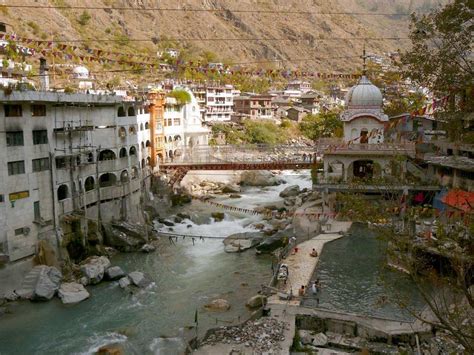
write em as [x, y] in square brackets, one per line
[59, 97]
[452, 161]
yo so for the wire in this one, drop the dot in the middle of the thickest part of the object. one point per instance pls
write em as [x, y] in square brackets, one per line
[191, 39]
[175, 9]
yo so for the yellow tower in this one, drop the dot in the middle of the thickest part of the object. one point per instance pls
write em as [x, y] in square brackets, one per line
[156, 100]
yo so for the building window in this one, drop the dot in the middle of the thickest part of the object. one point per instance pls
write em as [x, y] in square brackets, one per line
[63, 162]
[176, 121]
[38, 110]
[40, 137]
[20, 231]
[16, 167]
[2, 198]
[37, 211]
[41, 164]
[13, 110]
[14, 138]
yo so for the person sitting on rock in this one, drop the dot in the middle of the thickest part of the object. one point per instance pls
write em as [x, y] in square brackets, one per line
[314, 253]
[301, 291]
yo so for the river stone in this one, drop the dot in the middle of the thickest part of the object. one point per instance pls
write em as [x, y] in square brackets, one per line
[218, 305]
[289, 191]
[114, 273]
[258, 178]
[235, 196]
[72, 292]
[177, 219]
[230, 189]
[306, 337]
[110, 349]
[47, 284]
[183, 215]
[125, 237]
[256, 301]
[124, 282]
[148, 248]
[166, 222]
[139, 279]
[271, 243]
[218, 216]
[93, 268]
[239, 242]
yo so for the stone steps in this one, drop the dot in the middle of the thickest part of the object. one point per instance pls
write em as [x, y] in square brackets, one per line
[29, 283]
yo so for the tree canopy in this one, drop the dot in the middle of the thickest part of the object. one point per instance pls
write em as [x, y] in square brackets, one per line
[323, 125]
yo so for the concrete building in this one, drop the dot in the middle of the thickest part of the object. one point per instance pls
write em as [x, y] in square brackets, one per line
[299, 85]
[254, 106]
[66, 155]
[219, 103]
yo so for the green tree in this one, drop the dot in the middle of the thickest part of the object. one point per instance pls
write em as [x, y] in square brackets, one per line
[182, 96]
[441, 57]
[323, 125]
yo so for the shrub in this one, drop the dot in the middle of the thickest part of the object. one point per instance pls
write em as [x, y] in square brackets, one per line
[84, 18]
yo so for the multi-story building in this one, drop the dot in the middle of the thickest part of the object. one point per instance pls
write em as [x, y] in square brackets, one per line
[63, 155]
[299, 85]
[219, 103]
[254, 106]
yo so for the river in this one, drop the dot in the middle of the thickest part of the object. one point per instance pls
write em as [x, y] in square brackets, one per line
[186, 276]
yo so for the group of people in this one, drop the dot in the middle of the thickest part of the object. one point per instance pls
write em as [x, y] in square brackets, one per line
[315, 287]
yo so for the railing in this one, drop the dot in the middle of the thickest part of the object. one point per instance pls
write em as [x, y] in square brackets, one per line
[379, 147]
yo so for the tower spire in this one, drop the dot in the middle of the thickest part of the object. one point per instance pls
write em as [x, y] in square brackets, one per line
[364, 57]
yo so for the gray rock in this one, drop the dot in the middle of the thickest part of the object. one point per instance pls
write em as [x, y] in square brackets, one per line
[93, 268]
[114, 273]
[230, 189]
[320, 339]
[218, 305]
[125, 237]
[183, 215]
[139, 279]
[259, 178]
[241, 241]
[271, 243]
[235, 196]
[306, 337]
[218, 216]
[72, 292]
[84, 281]
[290, 191]
[48, 281]
[166, 222]
[177, 219]
[148, 248]
[11, 296]
[256, 301]
[124, 282]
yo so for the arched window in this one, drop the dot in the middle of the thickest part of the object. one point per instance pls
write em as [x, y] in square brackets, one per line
[177, 137]
[131, 111]
[134, 172]
[133, 150]
[89, 183]
[122, 132]
[143, 163]
[132, 130]
[159, 157]
[107, 154]
[78, 160]
[148, 161]
[124, 176]
[107, 179]
[166, 140]
[90, 158]
[121, 112]
[123, 153]
[147, 126]
[141, 126]
[148, 144]
[143, 145]
[63, 192]
[147, 109]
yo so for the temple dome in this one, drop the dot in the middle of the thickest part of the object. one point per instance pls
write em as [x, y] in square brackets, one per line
[364, 95]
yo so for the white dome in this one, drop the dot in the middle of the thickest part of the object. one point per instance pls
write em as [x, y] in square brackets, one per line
[81, 72]
[364, 95]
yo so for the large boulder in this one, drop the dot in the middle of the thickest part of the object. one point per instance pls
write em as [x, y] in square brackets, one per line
[218, 216]
[290, 191]
[93, 268]
[47, 284]
[272, 243]
[259, 178]
[114, 273]
[139, 279]
[241, 241]
[218, 305]
[125, 237]
[256, 301]
[72, 292]
[124, 282]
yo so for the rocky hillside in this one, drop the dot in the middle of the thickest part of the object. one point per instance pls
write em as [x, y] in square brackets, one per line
[305, 35]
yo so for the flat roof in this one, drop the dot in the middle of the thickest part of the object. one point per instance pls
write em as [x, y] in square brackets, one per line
[452, 161]
[59, 97]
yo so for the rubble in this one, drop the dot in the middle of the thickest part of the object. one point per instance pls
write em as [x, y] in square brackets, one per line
[262, 336]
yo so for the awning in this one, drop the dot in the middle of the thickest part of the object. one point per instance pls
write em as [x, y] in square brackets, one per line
[460, 199]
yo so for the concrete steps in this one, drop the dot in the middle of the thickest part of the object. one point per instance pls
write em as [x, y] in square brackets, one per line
[29, 283]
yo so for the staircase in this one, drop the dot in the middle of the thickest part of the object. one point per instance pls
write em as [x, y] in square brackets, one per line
[178, 175]
[416, 170]
[29, 283]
